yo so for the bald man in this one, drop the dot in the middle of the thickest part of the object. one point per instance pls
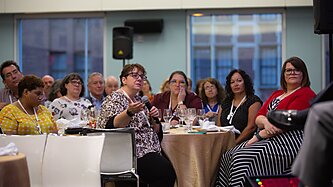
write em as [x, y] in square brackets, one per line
[48, 80]
[111, 84]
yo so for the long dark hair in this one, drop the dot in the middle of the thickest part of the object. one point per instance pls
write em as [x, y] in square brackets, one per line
[247, 83]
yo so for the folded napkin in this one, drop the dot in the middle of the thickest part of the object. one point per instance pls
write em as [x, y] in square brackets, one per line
[208, 125]
[230, 128]
[10, 149]
[74, 123]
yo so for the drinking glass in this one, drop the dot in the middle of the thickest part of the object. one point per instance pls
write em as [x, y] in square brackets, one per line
[160, 115]
[190, 116]
[181, 112]
[167, 115]
[92, 116]
[201, 114]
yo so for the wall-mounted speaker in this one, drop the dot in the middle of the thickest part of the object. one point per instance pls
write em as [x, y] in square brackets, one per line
[141, 26]
[122, 43]
[323, 16]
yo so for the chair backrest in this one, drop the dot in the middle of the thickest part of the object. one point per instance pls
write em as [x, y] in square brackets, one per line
[119, 150]
[72, 161]
[33, 148]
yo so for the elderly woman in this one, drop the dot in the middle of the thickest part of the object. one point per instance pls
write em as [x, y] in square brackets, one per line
[271, 151]
[123, 108]
[27, 115]
[71, 103]
[240, 106]
[178, 96]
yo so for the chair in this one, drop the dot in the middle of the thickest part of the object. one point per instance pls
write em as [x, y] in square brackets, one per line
[72, 161]
[118, 162]
[33, 148]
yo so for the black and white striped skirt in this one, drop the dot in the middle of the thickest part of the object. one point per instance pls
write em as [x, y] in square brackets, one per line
[273, 156]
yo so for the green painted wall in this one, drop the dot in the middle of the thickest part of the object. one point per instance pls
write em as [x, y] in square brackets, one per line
[302, 42]
[160, 53]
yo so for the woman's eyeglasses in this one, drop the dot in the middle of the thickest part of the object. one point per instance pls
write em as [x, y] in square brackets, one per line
[136, 76]
[292, 71]
[180, 82]
[76, 82]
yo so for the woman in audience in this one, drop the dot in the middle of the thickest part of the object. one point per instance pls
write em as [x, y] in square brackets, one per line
[198, 87]
[240, 106]
[177, 97]
[124, 108]
[54, 93]
[212, 95]
[27, 115]
[146, 90]
[271, 151]
[165, 86]
[71, 103]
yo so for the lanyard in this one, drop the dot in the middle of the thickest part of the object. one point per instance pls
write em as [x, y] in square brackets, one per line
[144, 114]
[212, 109]
[231, 113]
[36, 117]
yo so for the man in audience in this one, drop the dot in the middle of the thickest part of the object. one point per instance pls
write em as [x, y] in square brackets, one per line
[11, 76]
[111, 84]
[48, 80]
[96, 89]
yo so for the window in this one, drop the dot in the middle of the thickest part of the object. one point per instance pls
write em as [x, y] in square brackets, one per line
[58, 46]
[252, 42]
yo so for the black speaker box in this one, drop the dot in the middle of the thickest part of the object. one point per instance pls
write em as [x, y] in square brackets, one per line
[141, 26]
[122, 44]
[323, 16]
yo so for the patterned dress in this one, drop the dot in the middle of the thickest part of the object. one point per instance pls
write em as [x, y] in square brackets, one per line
[272, 156]
[146, 138]
[62, 108]
[14, 119]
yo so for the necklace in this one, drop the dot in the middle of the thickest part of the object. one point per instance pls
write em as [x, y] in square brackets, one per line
[36, 117]
[284, 95]
[70, 99]
[231, 113]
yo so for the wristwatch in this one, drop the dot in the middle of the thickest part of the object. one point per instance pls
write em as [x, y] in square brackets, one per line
[129, 113]
[180, 103]
[258, 136]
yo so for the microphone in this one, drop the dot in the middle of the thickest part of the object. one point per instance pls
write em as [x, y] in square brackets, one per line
[145, 101]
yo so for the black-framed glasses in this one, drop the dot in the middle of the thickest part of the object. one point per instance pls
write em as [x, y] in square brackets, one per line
[290, 71]
[75, 82]
[136, 76]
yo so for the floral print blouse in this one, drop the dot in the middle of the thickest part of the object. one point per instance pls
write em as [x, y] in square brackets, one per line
[146, 138]
[62, 108]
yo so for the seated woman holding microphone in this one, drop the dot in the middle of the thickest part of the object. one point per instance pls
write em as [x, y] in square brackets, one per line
[123, 108]
[27, 115]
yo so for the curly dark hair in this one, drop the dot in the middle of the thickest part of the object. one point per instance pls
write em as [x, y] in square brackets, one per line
[298, 64]
[29, 82]
[247, 82]
[128, 68]
[220, 91]
[69, 77]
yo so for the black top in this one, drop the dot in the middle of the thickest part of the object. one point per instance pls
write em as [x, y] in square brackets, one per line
[241, 116]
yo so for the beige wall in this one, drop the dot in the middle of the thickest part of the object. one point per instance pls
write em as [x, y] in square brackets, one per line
[49, 6]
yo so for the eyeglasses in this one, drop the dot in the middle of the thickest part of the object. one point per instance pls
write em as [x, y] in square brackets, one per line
[76, 82]
[210, 87]
[292, 71]
[180, 82]
[136, 76]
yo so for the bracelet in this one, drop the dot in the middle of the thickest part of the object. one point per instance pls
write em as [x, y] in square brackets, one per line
[180, 103]
[129, 113]
[258, 136]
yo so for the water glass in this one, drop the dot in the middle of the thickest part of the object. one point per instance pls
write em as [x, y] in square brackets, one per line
[181, 113]
[167, 115]
[190, 116]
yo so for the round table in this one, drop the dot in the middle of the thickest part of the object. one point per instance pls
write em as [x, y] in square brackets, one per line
[195, 157]
[14, 171]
